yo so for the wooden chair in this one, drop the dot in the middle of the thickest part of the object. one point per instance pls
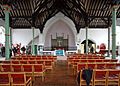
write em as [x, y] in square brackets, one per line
[106, 60]
[15, 62]
[98, 60]
[16, 67]
[91, 60]
[48, 64]
[28, 69]
[19, 58]
[84, 60]
[100, 65]
[6, 62]
[23, 62]
[4, 79]
[20, 79]
[38, 58]
[114, 60]
[13, 58]
[110, 65]
[91, 65]
[113, 77]
[44, 58]
[6, 67]
[32, 62]
[117, 66]
[25, 58]
[83, 81]
[81, 66]
[70, 60]
[38, 70]
[100, 77]
[51, 58]
[40, 62]
[75, 62]
[32, 58]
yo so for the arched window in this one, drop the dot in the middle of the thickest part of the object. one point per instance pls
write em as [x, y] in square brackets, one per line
[2, 35]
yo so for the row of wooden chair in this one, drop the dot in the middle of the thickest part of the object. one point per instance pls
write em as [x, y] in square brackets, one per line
[32, 58]
[81, 66]
[35, 56]
[85, 57]
[30, 69]
[75, 61]
[106, 77]
[89, 54]
[47, 63]
[15, 79]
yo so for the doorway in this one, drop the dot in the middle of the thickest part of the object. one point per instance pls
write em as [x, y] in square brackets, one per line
[91, 46]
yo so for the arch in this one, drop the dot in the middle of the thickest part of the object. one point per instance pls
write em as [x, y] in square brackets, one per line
[91, 46]
[62, 32]
[59, 16]
[89, 41]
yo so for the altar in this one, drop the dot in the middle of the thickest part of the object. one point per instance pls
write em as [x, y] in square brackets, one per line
[59, 52]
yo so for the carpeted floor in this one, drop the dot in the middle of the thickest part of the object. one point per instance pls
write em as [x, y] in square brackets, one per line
[61, 75]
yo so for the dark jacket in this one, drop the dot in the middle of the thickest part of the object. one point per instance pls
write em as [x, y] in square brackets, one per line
[87, 75]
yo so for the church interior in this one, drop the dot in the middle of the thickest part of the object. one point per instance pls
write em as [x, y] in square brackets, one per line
[59, 42]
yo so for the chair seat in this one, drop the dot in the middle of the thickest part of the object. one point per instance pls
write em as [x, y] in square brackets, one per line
[18, 81]
[100, 77]
[113, 77]
[4, 81]
[38, 70]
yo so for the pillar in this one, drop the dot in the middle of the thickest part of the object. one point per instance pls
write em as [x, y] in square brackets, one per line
[108, 41]
[114, 9]
[33, 45]
[86, 40]
[7, 31]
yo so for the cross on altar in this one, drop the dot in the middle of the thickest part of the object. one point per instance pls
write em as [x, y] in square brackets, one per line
[59, 43]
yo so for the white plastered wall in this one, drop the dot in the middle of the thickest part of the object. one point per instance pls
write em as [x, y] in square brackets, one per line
[23, 36]
[54, 19]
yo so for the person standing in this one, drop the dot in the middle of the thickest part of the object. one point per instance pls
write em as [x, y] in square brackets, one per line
[14, 51]
[3, 51]
[23, 49]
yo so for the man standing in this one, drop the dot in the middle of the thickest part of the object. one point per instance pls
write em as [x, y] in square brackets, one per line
[23, 49]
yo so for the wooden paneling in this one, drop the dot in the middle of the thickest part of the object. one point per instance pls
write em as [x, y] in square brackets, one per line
[59, 43]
